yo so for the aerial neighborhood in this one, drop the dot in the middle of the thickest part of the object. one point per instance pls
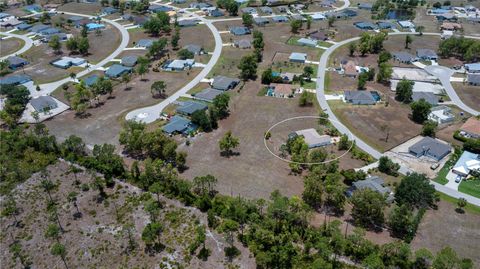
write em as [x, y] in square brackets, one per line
[240, 134]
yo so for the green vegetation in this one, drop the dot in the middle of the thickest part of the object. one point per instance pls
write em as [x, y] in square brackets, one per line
[442, 174]
[469, 207]
[470, 186]
[463, 48]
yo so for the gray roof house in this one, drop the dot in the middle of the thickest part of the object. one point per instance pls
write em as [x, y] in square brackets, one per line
[365, 25]
[16, 62]
[403, 57]
[43, 103]
[318, 35]
[186, 23]
[109, 10]
[178, 124]
[190, 107]
[129, 61]
[15, 79]
[473, 67]
[373, 183]
[359, 97]
[473, 79]
[207, 94]
[280, 18]
[431, 148]
[243, 43]
[239, 30]
[23, 26]
[366, 6]
[144, 43]
[427, 96]
[249, 10]
[266, 10]
[195, 49]
[38, 27]
[298, 57]
[117, 70]
[89, 81]
[224, 83]
[260, 21]
[312, 138]
[427, 54]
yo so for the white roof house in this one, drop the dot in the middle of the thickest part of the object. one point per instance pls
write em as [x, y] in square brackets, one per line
[441, 114]
[313, 139]
[318, 16]
[406, 24]
[468, 161]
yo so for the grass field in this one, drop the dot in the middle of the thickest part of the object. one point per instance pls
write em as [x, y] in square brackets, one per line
[471, 187]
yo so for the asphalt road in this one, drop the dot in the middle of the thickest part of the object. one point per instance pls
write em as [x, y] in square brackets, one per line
[28, 44]
[48, 88]
[152, 113]
[442, 73]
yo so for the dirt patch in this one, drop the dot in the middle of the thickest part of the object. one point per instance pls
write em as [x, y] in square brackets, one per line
[469, 94]
[99, 238]
[445, 227]
[82, 8]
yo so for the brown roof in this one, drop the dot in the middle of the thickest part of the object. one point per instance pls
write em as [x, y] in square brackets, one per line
[285, 89]
[472, 126]
[318, 35]
[451, 26]
[350, 68]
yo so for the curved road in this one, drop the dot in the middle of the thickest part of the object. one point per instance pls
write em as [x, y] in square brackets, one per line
[50, 87]
[322, 67]
[28, 44]
[152, 113]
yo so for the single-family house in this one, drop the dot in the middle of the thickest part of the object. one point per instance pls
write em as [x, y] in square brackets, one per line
[272, 2]
[261, 21]
[318, 35]
[66, 62]
[117, 70]
[327, 3]
[280, 90]
[446, 17]
[427, 54]
[15, 79]
[312, 138]
[195, 49]
[43, 104]
[373, 183]
[61, 37]
[307, 42]
[216, 13]
[287, 77]
[90, 80]
[144, 43]
[365, 6]
[298, 17]
[280, 18]
[350, 69]
[471, 128]
[92, 26]
[23, 26]
[403, 57]
[186, 23]
[249, 10]
[365, 25]
[243, 43]
[37, 28]
[159, 8]
[430, 147]
[74, 19]
[429, 97]
[282, 9]
[179, 1]
[129, 61]
[207, 94]
[199, 5]
[190, 107]
[437, 11]
[386, 25]
[224, 83]
[473, 79]
[318, 17]
[359, 97]
[441, 114]
[298, 57]
[467, 163]
[178, 124]
[5, 17]
[266, 10]
[178, 65]
[343, 14]
[406, 24]
[472, 67]
[239, 30]
[49, 31]
[12, 22]
[109, 10]
[15, 62]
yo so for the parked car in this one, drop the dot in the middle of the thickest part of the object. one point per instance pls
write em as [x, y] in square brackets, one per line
[458, 179]
[434, 166]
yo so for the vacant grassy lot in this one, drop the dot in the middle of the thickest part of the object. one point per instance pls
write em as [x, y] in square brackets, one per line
[104, 123]
[444, 227]
[471, 187]
[82, 8]
[10, 45]
[469, 94]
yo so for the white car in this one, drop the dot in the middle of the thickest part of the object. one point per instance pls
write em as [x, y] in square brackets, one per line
[458, 179]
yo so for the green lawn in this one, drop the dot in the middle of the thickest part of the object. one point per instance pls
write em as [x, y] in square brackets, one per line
[325, 44]
[470, 208]
[471, 187]
[442, 175]
[310, 85]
